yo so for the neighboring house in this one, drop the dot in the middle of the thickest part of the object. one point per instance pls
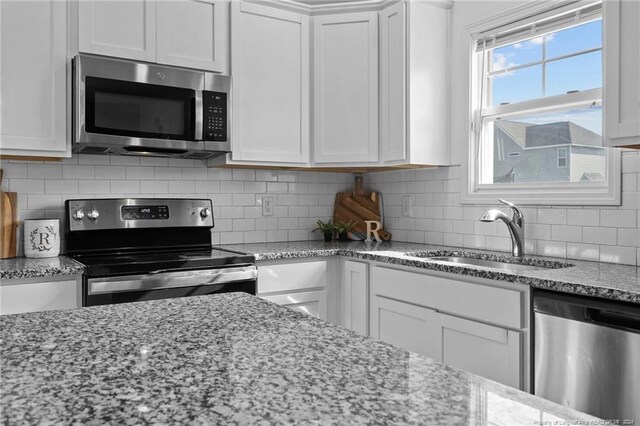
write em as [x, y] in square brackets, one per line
[561, 151]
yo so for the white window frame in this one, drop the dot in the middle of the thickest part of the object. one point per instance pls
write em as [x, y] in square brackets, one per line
[564, 157]
[565, 193]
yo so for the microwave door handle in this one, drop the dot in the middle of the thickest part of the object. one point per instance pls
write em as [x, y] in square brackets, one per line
[198, 115]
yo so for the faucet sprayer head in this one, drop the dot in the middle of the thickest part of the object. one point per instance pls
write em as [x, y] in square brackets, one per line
[493, 215]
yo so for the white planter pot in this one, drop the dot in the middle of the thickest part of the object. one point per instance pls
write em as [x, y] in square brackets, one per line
[41, 238]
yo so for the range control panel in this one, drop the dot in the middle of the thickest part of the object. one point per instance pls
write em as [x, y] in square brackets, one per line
[215, 116]
[94, 214]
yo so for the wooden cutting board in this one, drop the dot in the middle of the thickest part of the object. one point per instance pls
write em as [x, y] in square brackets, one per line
[8, 223]
[359, 207]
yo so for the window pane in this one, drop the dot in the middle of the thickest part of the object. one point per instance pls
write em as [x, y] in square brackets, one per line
[559, 146]
[580, 72]
[516, 86]
[576, 39]
[520, 53]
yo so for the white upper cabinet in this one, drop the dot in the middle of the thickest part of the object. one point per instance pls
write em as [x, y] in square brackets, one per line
[345, 89]
[413, 84]
[180, 23]
[124, 29]
[33, 79]
[185, 33]
[622, 73]
[270, 65]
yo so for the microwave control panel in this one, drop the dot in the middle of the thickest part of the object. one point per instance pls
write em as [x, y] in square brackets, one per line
[215, 116]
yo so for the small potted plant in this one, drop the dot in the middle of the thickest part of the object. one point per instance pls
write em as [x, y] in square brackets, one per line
[326, 228]
[343, 229]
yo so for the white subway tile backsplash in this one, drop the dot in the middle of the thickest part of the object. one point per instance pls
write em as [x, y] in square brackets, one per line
[618, 254]
[55, 186]
[599, 235]
[138, 172]
[552, 216]
[27, 186]
[155, 186]
[168, 173]
[193, 173]
[125, 186]
[244, 174]
[109, 172]
[583, 251]
[618, 218]
[575, 232]
[584, 217]
[124, 160]
[42, 171]
[566, 233]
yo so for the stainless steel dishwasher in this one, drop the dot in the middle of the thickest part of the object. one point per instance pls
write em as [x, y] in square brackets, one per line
[587, 354]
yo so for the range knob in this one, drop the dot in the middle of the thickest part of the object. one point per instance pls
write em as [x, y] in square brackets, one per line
[93, 215]
[78, 214]
[205, 212]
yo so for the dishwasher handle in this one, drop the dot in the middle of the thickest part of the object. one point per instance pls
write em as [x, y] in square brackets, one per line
[607, 313]
[613, 319]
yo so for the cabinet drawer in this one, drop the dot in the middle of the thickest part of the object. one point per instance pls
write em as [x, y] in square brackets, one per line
[20, 297]
[292, 276]
[312, 303]
[482, 302]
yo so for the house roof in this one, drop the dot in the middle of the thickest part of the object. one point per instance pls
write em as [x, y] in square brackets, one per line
[538, 135]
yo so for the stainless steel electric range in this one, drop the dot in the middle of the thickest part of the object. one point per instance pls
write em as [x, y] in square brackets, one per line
[142, 249]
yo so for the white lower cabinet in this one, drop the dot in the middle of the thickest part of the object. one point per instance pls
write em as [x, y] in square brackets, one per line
[354, 290]
[463, 324]
[407, 326]
[303, 285]
[485, 350]
[312, 303]
[40, 294]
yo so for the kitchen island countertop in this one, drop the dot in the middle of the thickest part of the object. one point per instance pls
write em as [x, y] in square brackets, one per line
[598, 279]
[234, 358]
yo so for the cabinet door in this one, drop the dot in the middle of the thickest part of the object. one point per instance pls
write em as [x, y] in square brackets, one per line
[270, 63]
[312, 303]
[488, 351]
[392, 83]
[622, 71]
[193, 34]
[407, 326]
[354, 297]
[33, 78]
[345, 88]
[17, 297]
[124, 29]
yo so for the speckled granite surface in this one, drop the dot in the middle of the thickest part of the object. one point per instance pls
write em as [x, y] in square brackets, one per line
[606, 280]
[233, 359]
[22, 267]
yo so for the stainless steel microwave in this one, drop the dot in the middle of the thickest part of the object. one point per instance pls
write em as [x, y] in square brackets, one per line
[133, 108]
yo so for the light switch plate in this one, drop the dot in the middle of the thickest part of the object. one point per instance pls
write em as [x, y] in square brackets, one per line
[267, 206]
[406, 205]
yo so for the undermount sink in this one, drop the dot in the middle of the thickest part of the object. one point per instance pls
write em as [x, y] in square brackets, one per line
[517, 265]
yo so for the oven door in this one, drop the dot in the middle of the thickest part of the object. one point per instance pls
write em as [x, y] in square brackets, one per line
[168, 284]
[141, 107]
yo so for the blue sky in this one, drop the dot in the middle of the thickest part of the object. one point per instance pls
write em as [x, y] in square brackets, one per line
[576, 73]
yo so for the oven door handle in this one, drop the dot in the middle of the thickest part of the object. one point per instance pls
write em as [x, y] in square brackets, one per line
[171, 279]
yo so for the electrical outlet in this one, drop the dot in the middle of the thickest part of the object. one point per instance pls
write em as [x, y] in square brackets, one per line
[406, 206]
[267, 206]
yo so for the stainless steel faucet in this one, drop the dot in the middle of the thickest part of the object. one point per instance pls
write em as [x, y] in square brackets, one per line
[515, 225]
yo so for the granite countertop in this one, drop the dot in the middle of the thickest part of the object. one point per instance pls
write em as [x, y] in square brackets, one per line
[234, 358]
[23, 267]
[598, 279]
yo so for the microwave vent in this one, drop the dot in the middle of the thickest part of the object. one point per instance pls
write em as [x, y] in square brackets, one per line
[94, 149]
[199, 155]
